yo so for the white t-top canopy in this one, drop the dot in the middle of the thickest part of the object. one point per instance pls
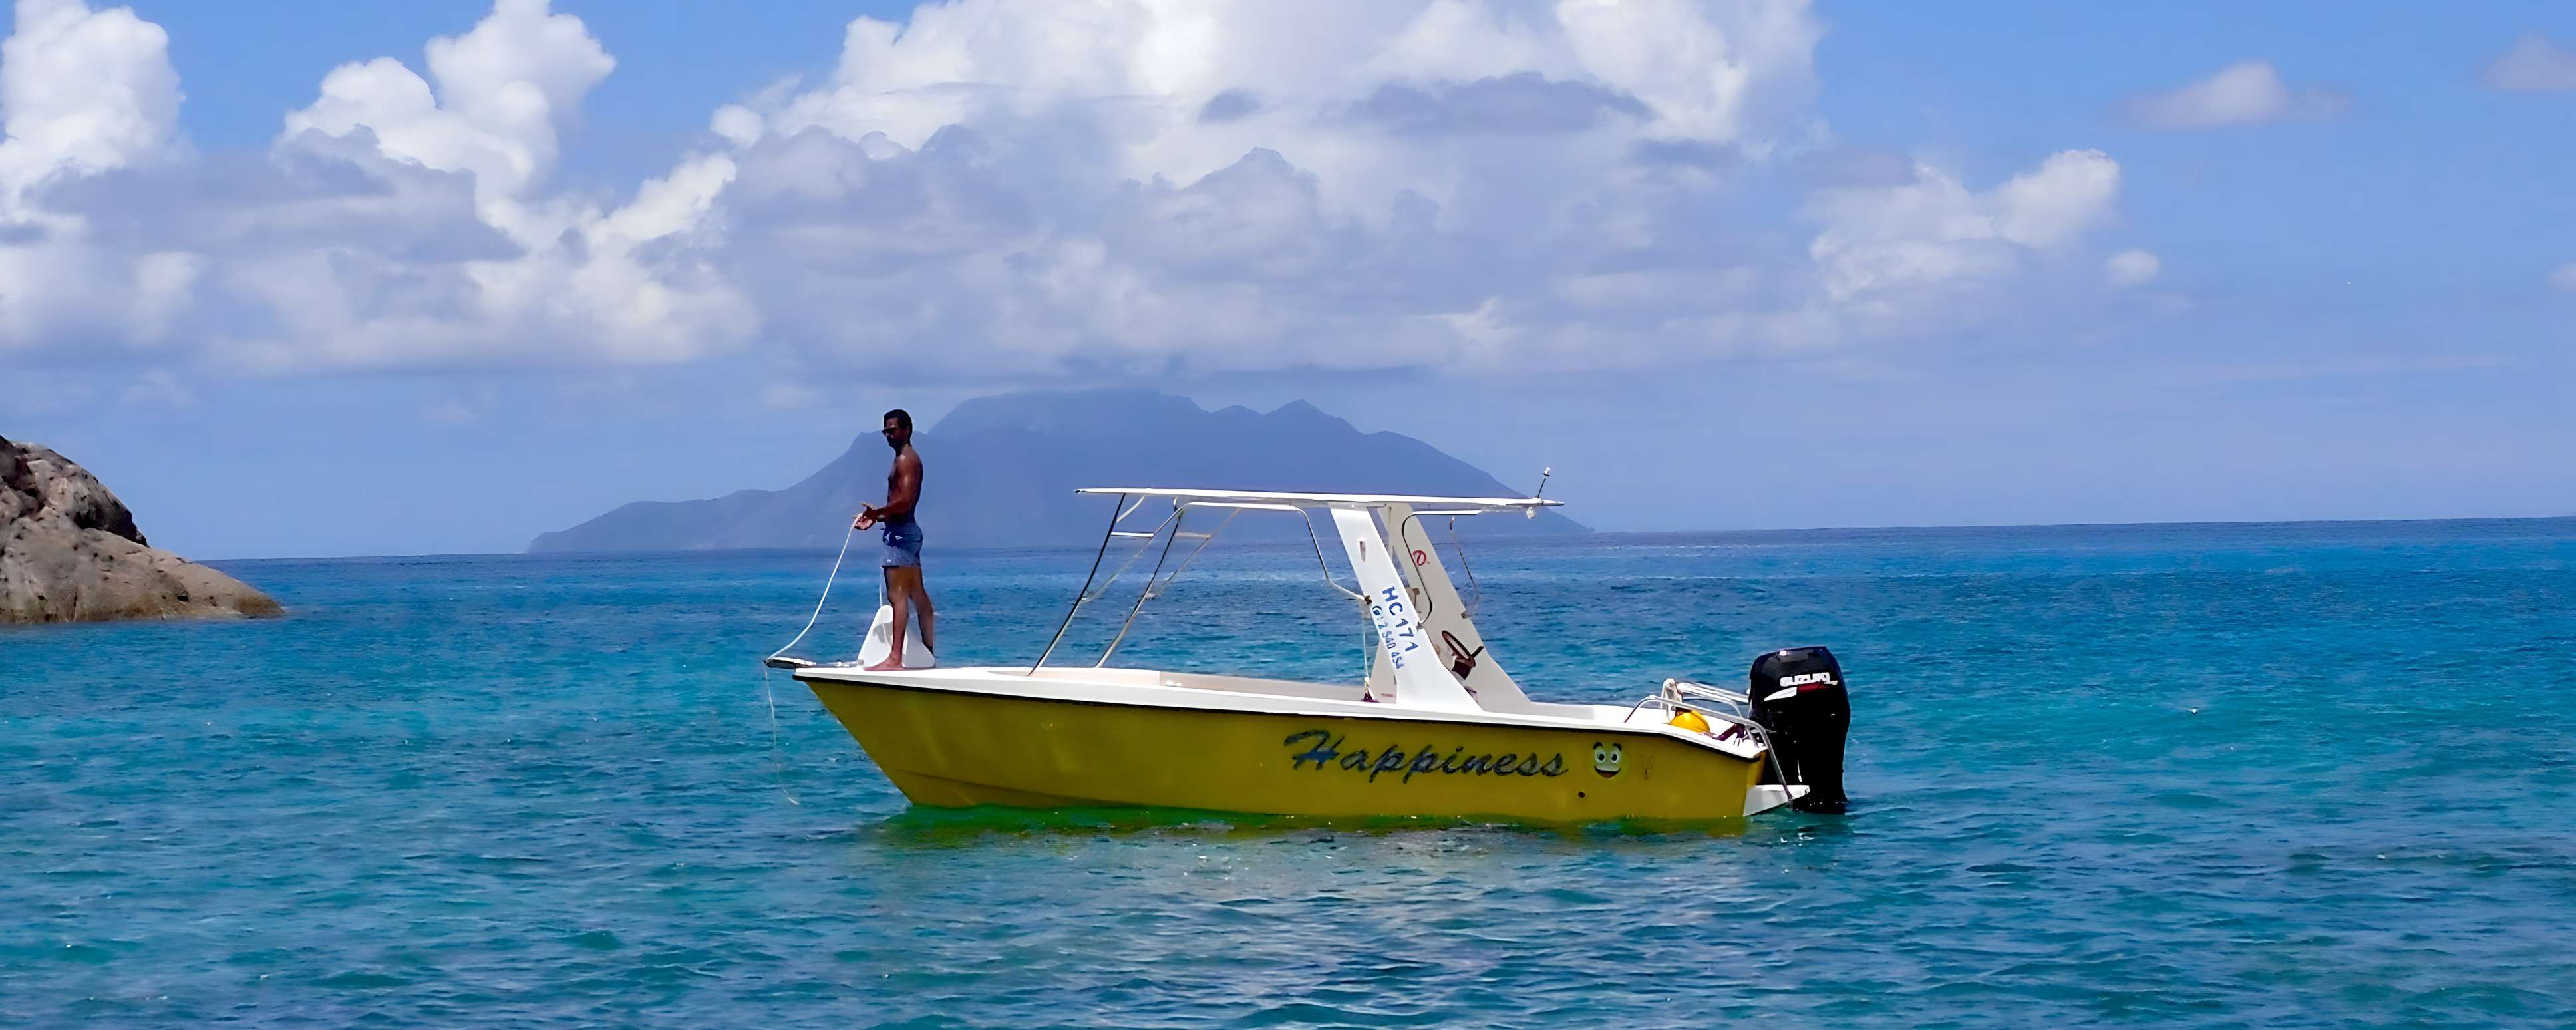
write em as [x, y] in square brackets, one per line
[1330, 500]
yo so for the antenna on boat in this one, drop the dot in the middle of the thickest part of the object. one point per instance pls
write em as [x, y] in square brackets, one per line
[1543, 472]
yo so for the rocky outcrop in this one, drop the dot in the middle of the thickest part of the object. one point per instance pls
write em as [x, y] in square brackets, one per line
[70, 552]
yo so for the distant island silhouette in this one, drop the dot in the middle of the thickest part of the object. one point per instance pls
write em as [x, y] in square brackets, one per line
[1002, 471]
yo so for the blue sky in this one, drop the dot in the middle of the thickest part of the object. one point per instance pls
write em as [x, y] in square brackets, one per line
[1722, 265]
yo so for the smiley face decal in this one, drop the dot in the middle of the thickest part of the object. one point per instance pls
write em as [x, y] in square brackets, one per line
[1606, 758]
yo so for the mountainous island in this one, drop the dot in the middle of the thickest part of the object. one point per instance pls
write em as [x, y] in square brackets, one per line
[70, 552]
[1000, 471]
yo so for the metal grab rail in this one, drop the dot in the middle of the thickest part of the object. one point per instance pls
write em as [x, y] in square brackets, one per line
[1311, 537]
[1695, 688]
[1673, 705]
[1474, 603]
[1088, 595]
[1175, 522]
[1180, 507]
[1084, 594]
[1753, 729]
[1404, 538]
[1205, 539]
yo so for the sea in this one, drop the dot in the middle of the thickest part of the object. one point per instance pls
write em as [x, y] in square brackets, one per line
[2312, 774]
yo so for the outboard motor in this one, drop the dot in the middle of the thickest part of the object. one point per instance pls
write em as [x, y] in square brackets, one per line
[1798, 697]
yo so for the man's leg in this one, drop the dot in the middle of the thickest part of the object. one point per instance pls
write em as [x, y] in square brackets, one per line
[898, 598]
[921, 603]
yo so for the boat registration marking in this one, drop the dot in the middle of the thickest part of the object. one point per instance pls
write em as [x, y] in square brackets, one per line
[1395, 626]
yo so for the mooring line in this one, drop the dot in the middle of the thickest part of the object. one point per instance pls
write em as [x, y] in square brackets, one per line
[827, 591]
[777, 749]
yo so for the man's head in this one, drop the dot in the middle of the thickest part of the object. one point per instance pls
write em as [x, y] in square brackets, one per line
[898, 428]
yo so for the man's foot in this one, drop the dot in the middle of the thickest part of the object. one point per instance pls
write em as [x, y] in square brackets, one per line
[888, 665]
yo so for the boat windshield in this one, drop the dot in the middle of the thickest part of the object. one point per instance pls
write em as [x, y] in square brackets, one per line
[1140, 525]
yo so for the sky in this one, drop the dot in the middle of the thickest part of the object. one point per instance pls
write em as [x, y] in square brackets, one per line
[316, 279]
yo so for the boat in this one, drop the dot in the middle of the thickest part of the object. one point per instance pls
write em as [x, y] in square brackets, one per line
[1436, 728]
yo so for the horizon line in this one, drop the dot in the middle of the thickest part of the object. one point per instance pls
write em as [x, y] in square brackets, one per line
[1587, 532]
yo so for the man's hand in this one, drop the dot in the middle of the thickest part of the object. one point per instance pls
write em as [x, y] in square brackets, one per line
[866, 517]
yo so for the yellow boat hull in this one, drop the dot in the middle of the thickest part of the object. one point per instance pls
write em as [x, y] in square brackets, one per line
[954, 749]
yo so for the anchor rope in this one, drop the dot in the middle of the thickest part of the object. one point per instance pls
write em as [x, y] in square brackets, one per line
[777, 749]
[827, 591]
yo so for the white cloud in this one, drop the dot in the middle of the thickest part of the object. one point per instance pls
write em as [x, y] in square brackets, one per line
[2534, 65]
[83, 91]
[2071, 192]
[159, 387]
[1704, 70]
[2244, 93]
[1934, 231]
[1231, 186]
[466, 409]
[585, 284]
[999, 187]
[2132, 268]
[393, 223]
[2565, 277]
[790, 395]
[505, 90]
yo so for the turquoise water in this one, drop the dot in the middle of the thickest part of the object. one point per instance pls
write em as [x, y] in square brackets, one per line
[2223, 775]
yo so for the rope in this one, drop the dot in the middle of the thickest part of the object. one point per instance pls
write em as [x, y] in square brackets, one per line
[778, 750]
[827, 591]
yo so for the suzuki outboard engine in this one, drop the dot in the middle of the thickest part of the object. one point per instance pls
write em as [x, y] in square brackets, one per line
[1797, 695]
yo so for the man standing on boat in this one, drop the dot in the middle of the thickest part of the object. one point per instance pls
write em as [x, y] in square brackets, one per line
[905, 592]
